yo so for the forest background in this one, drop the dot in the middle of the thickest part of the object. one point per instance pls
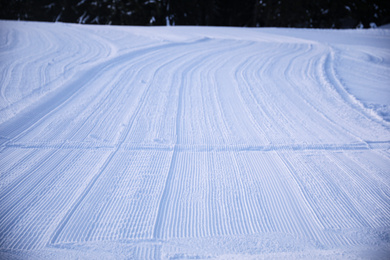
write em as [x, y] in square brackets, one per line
[247, 13]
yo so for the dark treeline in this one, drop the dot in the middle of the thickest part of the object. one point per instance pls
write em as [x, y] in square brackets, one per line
[275, 13]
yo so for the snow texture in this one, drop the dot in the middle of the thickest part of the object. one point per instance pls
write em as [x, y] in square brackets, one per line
[193, 142]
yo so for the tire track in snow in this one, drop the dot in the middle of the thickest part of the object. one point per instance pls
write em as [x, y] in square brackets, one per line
[243, 126]
[171, 217]
[208, 140]
[309, 229]
[188, 70]
[29, 223]
[88, 111]
[92, 181]
[49, 73]
[343, 106]
[60, 235]
[87, 145]
[288, 87]
[289, 115]
[341, 90]
[374, 205]
[220, 194]
[73, 209]
[337, 195]
[23, 122]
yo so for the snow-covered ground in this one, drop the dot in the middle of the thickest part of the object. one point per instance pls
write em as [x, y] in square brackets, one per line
[193, 142]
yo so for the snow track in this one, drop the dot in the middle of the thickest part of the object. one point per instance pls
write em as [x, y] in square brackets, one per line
[186, 142]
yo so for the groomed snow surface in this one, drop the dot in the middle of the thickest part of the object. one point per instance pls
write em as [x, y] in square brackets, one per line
[193, 142]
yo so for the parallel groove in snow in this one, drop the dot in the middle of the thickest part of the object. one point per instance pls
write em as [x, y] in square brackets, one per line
[198, 147]
[147, 137]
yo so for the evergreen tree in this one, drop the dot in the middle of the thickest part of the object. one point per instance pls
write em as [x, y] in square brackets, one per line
[273, 13]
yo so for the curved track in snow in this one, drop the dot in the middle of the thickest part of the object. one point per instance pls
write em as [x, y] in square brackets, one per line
[190, 143]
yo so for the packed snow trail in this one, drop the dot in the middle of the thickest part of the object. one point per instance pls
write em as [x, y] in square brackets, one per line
[193, 142]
